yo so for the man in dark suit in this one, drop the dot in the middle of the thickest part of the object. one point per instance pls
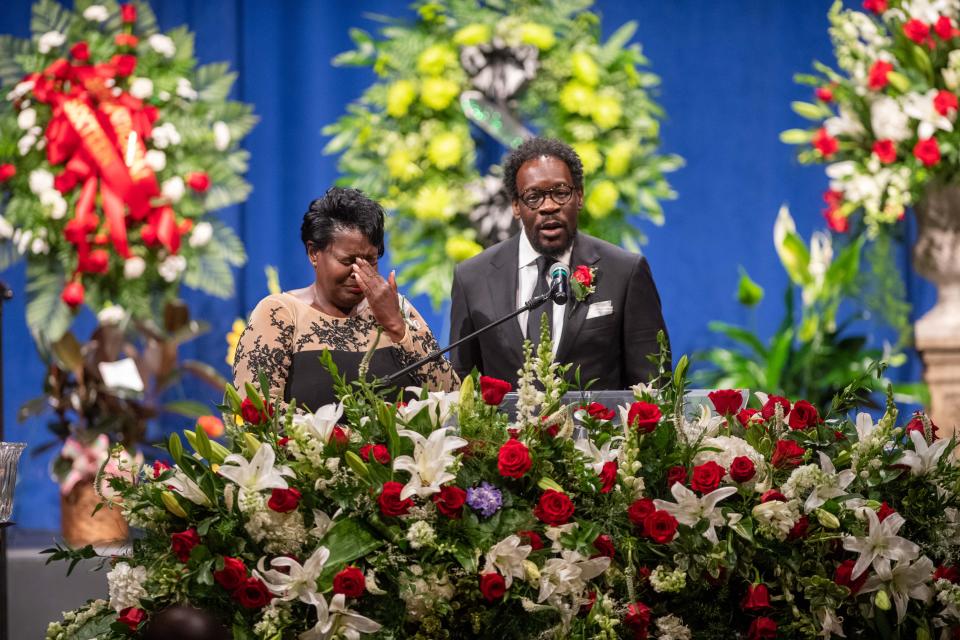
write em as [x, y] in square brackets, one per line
[608, 335]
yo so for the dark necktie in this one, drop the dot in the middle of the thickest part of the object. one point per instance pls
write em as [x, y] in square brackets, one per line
[533, 318]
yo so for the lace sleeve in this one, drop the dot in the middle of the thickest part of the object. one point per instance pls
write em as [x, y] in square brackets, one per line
[266, 345]
[417, 343]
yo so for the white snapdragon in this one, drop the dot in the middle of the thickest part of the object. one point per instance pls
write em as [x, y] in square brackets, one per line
[165, 135]
[96, 13]
[173, 189]
[49, 41]
[221, 135]
[171, 267]
[162, 44]
[201, 235]
[663, 579]
[125, 585]
[26, 119]
[141, 88]
[134, 267]
[421, 534]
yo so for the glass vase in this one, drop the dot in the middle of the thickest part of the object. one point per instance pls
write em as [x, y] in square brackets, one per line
[9, 456]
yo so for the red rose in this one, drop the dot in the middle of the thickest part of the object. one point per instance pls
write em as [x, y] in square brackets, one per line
[638, 619]
[252, 594]
[350, 582]
[824, 94]
[599, 411]
[80, 51]
[124, 64]
[945, 572]
[885, 150]
[772, 494]
[826, 144]
[762, 628]
[554, 508]
[916, 30]
[608, 476]
[390, 502]
[97, 262]
[380, 453]
[707, 477]
[660, 526]
[799, 529]
[159, 466]
[726, 401]
[877, 77]
[339, 438]
[493, 389]
[128, 13]
[132, 617]
[126, 40]
[677, 473]
[181, 543]
[742, 469]
[916, 424]
[199, 181]
[232, 575]
[587, 606]
[885, 511]
[945, 102]
[643, 416]
[756, 599]
[7, 171]
[877, 6]
[284, 500]
[770, 406]
[492, 586]
[787, 454]
[72, 294]
[927, 151]
[583, 275]
[250, 413]
[844, 577]
[944, 29]
[450, 501]
[514, 459]
[531, 538]
[604, 544]
[638, 512]
[803, 415]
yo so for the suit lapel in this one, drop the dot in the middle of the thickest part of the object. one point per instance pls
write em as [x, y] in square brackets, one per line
[502, 285]
[584, 252]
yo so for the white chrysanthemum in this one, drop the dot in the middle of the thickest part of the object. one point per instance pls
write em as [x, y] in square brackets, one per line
[39, 246]
[40, 180]
[165, 135]
[670, 627]
[162, 44]
[776, 518]
[421, 534]
[50, 40]
[96, 13]
[156, 160]
[125, 585]
[221, 135]
[889, 120]
[133, 267]
[173, 189]
[54, 203]
[141, 88]
[663, 579]
[26, 119]
[171, 267]
[201, 235]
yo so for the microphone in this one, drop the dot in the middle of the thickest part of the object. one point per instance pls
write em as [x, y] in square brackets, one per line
[560, 285]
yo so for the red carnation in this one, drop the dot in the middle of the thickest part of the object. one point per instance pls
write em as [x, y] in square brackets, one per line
[513, 460]
[80, 51]
[379, 451]
[183, 542]
[531, 538]
[916, 30]
[604, 545]
[252, 594]
[761, 629]
[945, 102]
[756, 599]
[232, 575]
[927, 151]
[159, 466]
[947, 572]
[742, 469]
[836, 221]
[97, 262]
[128, 13]
[826, 144]
[844, 577]
[824, 94]
[799, 529]
[638, 619]
[199, 181]
[803, 415]
[877, 77]
[885, 511]
[944, 28]
[726, 401]
[492, 390]
[660, 526]
[492, 586]
[676, 473]
[598, 411]
[608, 476]
[72, 294]
[787, 454]
[554, 508]
[450, 501]
[124, 63]
[769, 407]
[772, 494]
[707, 477]
[390, 502]
[350, 582]
[885, 150]
[284, 500]
[643, 416]
[746, 417]
[132, 617]
[877, 6]
[638, 512]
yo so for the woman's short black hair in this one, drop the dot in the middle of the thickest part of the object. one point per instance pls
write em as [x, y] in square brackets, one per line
[340, 209]
[536, 148]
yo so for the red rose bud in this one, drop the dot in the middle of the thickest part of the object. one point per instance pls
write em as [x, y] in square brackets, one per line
[132, 617]
[199, 181]
[770, 407]
[707, 477]
[284, 500]
[513, 460]
[826, 144]
[252, 594]
[608, 476]
[660, 526]
[128, 13]
[945, 102]
[250, 413]
[492, 586]
[916, 424]
[232, 575]
[599, 412]
[885, 150]
[761, 629]
[799, 529]
[604, 545]
[350, 582]
[159, 466]
[7, 171]
[637, 619]
[742, 469]
[97, 262]
[492, 390]
[927, 151]
[379, 452]
[947, 572]
[390, 503]
[583, 275]
[450, 501]
[876, 6]
[726, 401]
[824, 94]
[554, 508]
[877, 76]
[944, 28]
[803, 416]
[643, 416]
[772, 494]
[756, 599]
[181, 543]
[787, 454]
[844, 577]
[885, 511]
[124, 64]
[638, 512]
[916, 30]
[531, 538]
[339, 438]
[80, 51]
[126, 40]
[72, 294]
[677, 473]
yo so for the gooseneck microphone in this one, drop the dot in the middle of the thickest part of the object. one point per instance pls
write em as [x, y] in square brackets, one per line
[560, 283]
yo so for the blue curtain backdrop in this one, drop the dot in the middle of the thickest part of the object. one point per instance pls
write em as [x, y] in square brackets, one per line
[727, 70]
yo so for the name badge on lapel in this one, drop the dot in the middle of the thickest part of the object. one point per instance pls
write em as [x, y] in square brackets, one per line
[599, 309]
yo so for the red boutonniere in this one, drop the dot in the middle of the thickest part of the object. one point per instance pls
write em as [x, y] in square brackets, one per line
[583, 282]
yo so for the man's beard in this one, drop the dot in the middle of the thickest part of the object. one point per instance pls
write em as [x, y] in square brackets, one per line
[552, 252]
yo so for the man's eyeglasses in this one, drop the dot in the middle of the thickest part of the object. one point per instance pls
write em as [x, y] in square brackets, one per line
[534, 198]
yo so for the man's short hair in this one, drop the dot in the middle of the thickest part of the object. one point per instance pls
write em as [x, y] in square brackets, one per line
[536, 148]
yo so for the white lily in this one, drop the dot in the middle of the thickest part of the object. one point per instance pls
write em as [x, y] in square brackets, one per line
[507, 557]
[689, 509]
[865, 427]
[832, 484]
[568, 574]
[428, 466]
[920, 106]
[257, 474]
[923, 459]
[439, 405]
[830, 623]
[598, 457]
[296, 581]
[337, 621]
[881, 544]
[321, 422]
[322, 523]
[185, 486]
[902, 582]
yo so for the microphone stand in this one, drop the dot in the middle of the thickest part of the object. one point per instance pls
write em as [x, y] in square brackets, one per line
[530, 304]
[5, 294]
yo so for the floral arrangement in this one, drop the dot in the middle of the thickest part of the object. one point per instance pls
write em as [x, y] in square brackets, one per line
[884, 122]
[462, 69]
[114, 149]
[445, 517]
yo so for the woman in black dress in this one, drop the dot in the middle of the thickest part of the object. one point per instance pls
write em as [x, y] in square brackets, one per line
[339, 312]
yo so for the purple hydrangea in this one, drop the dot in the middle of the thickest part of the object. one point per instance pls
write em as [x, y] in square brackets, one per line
[486, 499]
